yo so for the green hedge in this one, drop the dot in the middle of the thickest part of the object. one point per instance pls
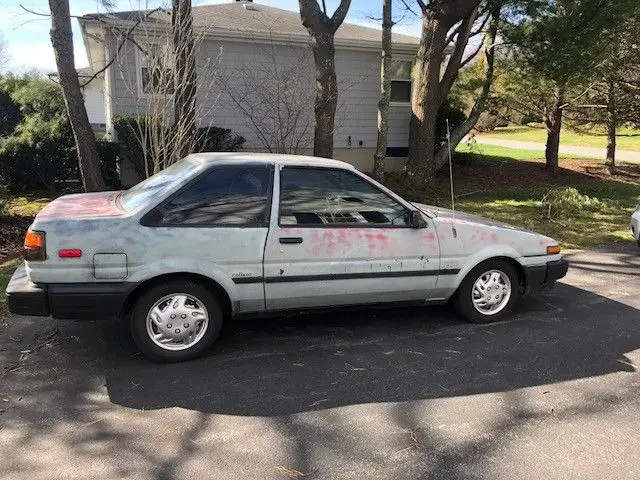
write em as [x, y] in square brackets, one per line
[210, 139]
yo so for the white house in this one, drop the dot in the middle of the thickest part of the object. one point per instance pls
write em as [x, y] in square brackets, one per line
[241, 35]
[93, 93]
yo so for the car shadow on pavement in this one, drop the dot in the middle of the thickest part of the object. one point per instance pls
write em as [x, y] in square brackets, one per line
[305, 363]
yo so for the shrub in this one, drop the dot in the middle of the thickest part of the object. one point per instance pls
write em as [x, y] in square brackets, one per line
[37, 147]
[40, 149]
[567, 201]
[130, 128]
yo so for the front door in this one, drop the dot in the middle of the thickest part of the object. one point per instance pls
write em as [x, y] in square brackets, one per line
[337, 239]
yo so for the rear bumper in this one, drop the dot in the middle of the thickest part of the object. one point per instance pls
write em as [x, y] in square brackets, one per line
[26, 298]
[542, 277]
[78, 301]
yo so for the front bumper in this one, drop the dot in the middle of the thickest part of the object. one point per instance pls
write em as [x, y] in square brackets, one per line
[79, 301]
[542, 277]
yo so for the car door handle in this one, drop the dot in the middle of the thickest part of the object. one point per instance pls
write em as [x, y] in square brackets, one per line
[290, 239]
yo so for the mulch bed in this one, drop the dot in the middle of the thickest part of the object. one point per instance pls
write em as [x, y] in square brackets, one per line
[12, 230]
[531, 174]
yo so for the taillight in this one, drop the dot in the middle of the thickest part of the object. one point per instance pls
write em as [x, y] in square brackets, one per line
[34, 246]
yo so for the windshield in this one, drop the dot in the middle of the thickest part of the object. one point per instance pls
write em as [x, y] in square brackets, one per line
[152, 186]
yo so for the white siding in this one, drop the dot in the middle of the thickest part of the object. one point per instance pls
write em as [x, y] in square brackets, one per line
[358, 83]
[94, 101]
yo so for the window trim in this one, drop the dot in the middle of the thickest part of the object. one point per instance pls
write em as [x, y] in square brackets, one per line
[140, 64]
[340, 225]
[409, 80]
[147, 219]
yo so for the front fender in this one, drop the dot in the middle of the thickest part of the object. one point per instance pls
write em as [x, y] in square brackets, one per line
[477, 258]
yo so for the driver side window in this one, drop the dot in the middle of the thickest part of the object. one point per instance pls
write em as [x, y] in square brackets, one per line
[333, 197]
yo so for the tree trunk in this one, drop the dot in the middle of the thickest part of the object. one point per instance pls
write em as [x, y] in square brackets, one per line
[554, 126]
[185, 76]
[322, 30]
[425, 100]
[326, 94]
[458, 133]
[62, 42]
[385, 93]
[612, 122]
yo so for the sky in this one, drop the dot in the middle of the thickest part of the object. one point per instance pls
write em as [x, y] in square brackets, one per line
[27, 35]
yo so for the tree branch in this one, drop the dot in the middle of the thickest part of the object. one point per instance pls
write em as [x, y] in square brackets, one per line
[459, 132]
[120, 45]
[471, 56]
[589, 88]
[33, 12]
[340, 14]
[406, 6]
[451, 71]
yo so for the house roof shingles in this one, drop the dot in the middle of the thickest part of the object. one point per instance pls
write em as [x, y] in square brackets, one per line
[255, 19]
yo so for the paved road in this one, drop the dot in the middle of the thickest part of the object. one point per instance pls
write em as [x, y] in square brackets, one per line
[373, 395]
[621, 155]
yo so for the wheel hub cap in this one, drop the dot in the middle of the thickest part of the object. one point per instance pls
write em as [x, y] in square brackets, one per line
[491, 292]
[177, 321]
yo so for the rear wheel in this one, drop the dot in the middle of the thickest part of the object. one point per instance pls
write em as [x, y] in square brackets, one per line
[488, 292]
[176, 321]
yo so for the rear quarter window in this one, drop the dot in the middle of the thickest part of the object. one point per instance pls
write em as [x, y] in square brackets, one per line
[228, 195]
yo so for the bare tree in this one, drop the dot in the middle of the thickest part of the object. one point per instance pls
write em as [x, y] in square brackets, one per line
[4, 55]
[458, 133]
[62, 42]
[385, 92]
[322, 29]
[274, 94]
[158, 128]
[185, 74]
[430, 87]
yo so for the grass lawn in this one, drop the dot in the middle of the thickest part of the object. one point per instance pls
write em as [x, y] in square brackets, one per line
[510, 190]
[496, 153]
[24, 206]
[627, 139]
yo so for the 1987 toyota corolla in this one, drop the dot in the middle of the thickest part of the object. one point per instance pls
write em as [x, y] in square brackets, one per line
[218, 236]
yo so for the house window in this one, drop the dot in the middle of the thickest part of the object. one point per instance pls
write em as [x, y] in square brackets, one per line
[401, 81]
[156, 70]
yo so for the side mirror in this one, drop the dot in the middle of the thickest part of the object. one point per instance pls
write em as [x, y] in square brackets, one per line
[417, 220]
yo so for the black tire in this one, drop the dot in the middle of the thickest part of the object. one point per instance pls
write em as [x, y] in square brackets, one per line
[138, 322]
[463, 302]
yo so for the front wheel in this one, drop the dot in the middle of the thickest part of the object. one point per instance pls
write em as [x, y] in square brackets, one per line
[488, 292]
[176, 321]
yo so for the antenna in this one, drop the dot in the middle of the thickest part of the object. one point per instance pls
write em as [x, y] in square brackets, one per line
[453, 201]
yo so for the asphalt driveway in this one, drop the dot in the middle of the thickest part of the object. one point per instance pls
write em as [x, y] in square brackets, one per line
[397, 394]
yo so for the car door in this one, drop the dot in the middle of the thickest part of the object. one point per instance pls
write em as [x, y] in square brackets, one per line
[216, 226]
[337, 239]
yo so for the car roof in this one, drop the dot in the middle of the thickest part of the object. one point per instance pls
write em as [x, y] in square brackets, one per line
[268, 158]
